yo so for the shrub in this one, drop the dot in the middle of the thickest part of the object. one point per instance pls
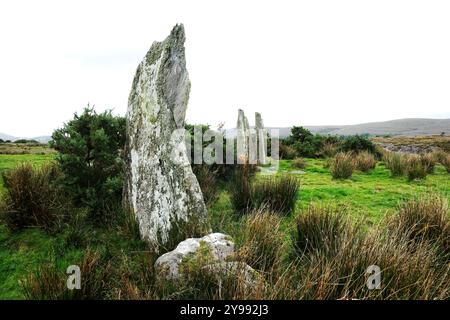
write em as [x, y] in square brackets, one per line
[262, 241]
[428, 161]
[89, 149]
[33, 198]
[358, 143]
[299, 163]
[395, 163]
[277, 194]
[415, 169]
[342, 166]
[365, 161]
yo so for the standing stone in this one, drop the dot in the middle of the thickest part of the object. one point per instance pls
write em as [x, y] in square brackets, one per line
[242, 128]
[160, 187]
[262, 138]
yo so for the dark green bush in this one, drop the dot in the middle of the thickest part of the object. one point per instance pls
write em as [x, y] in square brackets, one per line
[89, 154]
[358, 143]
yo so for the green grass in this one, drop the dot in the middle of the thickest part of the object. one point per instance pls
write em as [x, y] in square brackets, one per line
[367, 195]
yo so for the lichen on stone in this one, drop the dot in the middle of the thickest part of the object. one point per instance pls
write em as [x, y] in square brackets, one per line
[161, 188]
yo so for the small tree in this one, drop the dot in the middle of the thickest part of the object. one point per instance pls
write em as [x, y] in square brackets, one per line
[89, 149]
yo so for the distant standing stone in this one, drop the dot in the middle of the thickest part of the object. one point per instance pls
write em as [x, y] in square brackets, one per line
[262, 138]
[242, 137]
[160, 186]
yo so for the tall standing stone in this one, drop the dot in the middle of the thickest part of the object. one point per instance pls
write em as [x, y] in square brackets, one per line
[262, 138]
[160, 186]
[242, 136]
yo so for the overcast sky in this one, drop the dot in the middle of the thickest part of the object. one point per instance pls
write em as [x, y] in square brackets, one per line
[297, 62]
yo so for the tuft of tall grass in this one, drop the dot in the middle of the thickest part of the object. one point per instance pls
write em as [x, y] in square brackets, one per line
[206, 177]
[262, 241]
[446, 162]
[299, 163]
[342, 165]
[334, 254]
[429, 162]
[426, 219]
[33, 197]
[415, 169]
[240, 190]
[322, 230]
[330, 149]
[49, 283]
[365, 161]
[276, 194]
[395, 162]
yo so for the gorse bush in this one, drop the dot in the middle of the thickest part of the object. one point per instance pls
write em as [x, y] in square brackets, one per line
[395, 162]
[358, 143]
[365, 161]
[299, 163]
[415, 168]
[89, 154]
[342, 166]
[33, 198]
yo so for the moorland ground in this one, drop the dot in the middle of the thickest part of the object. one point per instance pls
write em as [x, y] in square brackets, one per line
[368, 196]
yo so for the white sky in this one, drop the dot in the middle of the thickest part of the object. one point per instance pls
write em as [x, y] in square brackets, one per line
[297, 62]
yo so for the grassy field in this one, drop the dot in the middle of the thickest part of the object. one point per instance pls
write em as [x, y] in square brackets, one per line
[367, 195]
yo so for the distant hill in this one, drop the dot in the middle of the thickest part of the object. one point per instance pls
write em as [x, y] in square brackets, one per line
[41, 139]
[401, 127]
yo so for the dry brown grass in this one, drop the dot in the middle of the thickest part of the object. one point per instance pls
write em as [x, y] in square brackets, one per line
[365, 161]
[424, 142]
[342, 165]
